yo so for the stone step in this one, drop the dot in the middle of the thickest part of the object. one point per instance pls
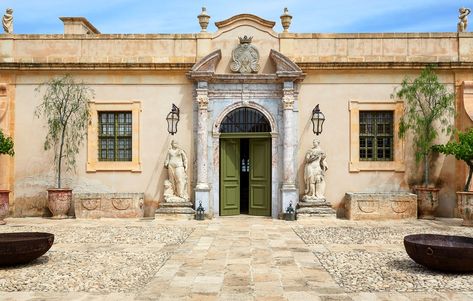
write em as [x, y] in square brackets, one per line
[174, 205]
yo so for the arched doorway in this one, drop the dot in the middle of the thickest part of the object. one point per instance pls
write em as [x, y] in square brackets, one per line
[245, 163]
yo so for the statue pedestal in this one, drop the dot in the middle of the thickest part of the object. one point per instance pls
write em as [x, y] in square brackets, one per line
[310, 207]
[182, 210]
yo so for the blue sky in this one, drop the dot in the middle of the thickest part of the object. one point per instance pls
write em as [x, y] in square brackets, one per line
[179, 16]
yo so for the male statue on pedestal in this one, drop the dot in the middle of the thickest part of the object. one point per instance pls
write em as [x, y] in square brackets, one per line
[8, 21]
[314, 173]
[176, 184]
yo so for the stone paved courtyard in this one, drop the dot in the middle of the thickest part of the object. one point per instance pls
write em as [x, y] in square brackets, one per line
[233, 258]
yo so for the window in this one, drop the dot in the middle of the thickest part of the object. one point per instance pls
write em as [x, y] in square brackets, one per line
[374, 139]
[115, 136]
[376, 135]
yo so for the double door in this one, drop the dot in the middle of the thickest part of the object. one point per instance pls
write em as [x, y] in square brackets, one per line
[245, 176]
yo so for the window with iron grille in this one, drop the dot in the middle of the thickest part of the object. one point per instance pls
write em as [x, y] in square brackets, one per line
[376, 135]
[115, 136]
[245, 120]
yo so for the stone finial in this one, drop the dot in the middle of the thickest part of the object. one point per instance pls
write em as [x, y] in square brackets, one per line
[8, 21]
[462, 25]
[203, 19]
[286, 19]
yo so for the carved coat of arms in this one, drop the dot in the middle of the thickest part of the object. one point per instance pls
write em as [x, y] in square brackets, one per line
[245, 57]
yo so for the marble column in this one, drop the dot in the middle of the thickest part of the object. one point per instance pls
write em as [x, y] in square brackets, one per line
[288, 190]
[202, 188]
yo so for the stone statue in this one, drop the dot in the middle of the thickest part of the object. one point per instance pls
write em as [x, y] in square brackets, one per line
[8, 21]
[176, 163]
[464, 12]
[314, 173]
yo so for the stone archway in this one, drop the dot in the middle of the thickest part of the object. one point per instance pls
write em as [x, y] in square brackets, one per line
[274, 95]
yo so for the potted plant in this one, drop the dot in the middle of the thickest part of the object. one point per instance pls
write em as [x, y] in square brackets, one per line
[65, 106]
[429, 108]
[462, 150]
[6, 148]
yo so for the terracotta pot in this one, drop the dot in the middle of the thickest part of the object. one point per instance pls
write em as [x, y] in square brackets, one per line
[465, 207]
[427, 201]
[4, 197]
[59, 202]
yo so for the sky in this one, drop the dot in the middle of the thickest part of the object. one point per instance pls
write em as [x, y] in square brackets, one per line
[180, 16]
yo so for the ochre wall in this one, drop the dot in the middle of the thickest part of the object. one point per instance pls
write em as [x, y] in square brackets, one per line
[156, 92]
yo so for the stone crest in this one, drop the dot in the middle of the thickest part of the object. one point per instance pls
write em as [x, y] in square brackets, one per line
[245, 57]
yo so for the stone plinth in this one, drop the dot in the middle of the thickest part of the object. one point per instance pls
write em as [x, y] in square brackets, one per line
[177, 210]
[109, 205]
[380, 206]
[311, 207]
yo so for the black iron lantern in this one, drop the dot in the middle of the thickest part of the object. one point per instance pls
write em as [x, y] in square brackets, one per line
[290, 214]
[318, 119]
[173, 119]
[200, 212]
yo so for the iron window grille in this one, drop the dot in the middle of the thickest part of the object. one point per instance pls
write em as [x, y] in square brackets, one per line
[376, 135]
[115, 136]
[245, 120]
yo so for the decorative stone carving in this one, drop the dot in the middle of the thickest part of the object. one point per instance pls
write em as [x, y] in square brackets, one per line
[245, 57]
[203, 101]
[288, 101]
[314, 173]
[203, 19]
[109, 205]
[462, 25]
[8, 21]
[286, 19]
[380, 205]
[176, 163]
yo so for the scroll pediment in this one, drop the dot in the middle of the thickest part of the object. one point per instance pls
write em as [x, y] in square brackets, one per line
[284, 66]
[207, 65]
[246, 20]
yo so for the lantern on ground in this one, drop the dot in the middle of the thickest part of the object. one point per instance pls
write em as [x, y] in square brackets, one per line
[173, 118]
[200, 212]
[290, 214]
[318, 119]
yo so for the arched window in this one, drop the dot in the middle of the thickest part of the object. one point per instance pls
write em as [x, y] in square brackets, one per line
[245, 120]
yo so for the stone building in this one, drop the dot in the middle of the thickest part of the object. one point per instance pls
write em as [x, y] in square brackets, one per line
[229, 117]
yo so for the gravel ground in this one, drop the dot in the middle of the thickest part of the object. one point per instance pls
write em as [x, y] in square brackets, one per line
[346, 253]
[100, 258]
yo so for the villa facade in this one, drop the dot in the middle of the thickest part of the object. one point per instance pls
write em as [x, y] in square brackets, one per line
[231, 122]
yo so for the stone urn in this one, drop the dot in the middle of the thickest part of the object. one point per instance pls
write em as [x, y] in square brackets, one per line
[4, 198]
[465, 207]
[59, 202]
[286, 19]
[427, 201]
[203, 19]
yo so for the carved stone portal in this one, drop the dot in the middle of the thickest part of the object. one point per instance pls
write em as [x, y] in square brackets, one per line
[245, 57]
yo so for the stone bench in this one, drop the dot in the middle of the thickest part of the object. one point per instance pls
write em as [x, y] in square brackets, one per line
[109, 205]
[380, 206]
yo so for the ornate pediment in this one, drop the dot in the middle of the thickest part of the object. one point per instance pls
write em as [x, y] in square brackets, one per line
[206, 66]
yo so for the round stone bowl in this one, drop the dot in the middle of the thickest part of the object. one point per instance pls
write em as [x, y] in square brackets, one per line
[445, 253]
[22, 247]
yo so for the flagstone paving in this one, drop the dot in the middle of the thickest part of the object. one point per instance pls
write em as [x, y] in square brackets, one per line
[231, 258]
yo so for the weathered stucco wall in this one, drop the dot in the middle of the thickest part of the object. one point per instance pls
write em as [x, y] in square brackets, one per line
[151, 69]
[155, 91]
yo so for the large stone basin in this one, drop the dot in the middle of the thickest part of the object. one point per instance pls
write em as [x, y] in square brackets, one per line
[22, 247]
[441, 252]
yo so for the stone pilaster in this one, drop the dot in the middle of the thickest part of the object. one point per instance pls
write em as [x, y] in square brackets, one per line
[288, 190]
[202, 188]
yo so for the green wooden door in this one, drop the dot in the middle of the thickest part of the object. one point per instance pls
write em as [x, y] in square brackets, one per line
[260, 177]
[229, 177]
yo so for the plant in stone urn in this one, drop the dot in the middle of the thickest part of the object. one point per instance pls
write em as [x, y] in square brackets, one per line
[429, 108]
[65, 106]
[6, 148]
[462, 150]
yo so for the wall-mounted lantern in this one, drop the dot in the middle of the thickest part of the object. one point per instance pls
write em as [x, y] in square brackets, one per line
[200, 212]
[318, 119]
[173, 119]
